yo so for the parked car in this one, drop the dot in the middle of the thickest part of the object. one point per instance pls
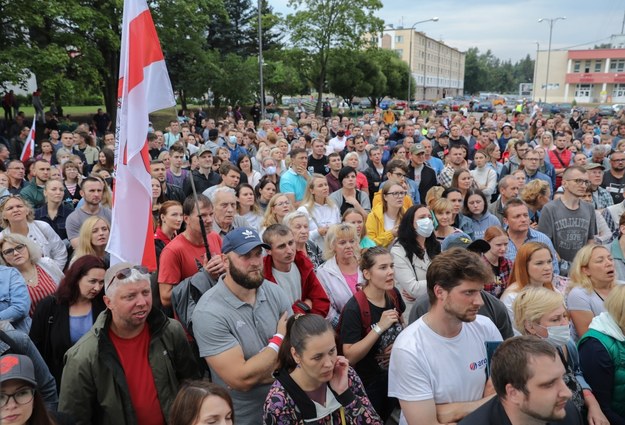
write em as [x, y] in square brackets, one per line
[364, 104]
[605, 111]
[484, 106]
[422, 105]
[386, 104]
[618, 107]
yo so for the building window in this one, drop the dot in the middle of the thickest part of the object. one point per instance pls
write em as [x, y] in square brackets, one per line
[399, 39]
[597, 66]
[617, 65]
[583, 90]
[576, 66]
[619, 90]
[587, 66]
[400, 52]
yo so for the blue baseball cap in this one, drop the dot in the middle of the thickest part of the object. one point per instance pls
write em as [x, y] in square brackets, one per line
[462, 240]
[242, 240]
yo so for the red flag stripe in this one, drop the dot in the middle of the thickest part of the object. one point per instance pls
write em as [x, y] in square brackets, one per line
[144, 49]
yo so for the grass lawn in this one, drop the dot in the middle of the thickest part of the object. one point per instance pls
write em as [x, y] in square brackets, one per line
[79, 114]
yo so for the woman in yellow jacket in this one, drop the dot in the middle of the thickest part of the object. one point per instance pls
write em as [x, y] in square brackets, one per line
[384, 219]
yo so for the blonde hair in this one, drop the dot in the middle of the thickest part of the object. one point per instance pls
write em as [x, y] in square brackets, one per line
[434, 194]
[309, 199]
[532, 190]
[533, 303]
[85, 246]
[34, 251]
[441, 205]
[269, 217]
[336, 231]
[30, 213]
[615, 305]
[581, 260]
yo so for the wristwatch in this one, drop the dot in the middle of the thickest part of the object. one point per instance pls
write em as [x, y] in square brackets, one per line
[377, 329]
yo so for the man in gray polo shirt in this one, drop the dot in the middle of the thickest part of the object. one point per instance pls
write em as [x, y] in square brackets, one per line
[239, 325]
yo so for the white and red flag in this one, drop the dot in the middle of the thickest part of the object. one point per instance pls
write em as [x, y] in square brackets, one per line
[144, 87]
[28, 151]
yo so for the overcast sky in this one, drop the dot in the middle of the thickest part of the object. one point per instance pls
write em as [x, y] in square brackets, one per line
[510, 29]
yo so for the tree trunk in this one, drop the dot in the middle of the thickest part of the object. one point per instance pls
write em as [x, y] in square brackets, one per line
[110, 77]
[183, 100]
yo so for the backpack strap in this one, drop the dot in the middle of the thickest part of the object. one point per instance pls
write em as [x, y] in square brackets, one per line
[365, 311]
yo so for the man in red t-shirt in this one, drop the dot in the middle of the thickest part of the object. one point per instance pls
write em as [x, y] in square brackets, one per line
[560, 157]
[127, 369]
[186, 254]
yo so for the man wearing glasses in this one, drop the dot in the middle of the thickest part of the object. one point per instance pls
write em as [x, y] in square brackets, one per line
[531, 163]
[569, 223]
[127, 369]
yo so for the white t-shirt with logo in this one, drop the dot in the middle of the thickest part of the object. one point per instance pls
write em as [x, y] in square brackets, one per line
[425, 365]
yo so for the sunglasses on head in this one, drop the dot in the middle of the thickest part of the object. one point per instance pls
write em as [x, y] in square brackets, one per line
[126, 272]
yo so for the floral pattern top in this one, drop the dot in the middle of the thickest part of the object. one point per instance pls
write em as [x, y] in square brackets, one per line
[280, 407]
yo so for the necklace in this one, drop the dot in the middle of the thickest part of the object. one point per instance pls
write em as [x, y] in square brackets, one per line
[31, 278]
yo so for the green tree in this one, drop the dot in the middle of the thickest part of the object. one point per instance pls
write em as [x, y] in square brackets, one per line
[235, 80]
[317, 26]
[282, 79]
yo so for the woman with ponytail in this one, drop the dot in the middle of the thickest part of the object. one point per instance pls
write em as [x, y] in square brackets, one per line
[314, 383]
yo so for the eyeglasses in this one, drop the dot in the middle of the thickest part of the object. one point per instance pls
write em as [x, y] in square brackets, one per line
[617, 159]
[532, 159]
[401, 175]
[580, 181]
[124, 273]
[282, 204]
[23, 396]
[11, 251]
[397, 194]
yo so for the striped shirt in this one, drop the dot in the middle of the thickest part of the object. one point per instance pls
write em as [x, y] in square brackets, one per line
[45, 286]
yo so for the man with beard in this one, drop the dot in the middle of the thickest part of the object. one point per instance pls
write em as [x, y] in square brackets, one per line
[437, 367]
[233, 321]
[614, 178]
[527, 374]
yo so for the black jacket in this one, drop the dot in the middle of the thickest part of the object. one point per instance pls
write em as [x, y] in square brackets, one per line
[50, 331]
[201, 181]
[427, 181]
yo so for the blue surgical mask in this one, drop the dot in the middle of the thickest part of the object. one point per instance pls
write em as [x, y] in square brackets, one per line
[233, 140]
[424, 227]
[558, 335]
[271, 170]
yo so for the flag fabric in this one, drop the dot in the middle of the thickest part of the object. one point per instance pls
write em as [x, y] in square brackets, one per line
[144, 87]
[28, 151]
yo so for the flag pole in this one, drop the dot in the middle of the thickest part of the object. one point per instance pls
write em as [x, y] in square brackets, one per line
[199, 217]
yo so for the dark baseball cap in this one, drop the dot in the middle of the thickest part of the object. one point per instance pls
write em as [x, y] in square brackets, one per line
[242, 240]
[462, 240]
[17, 366]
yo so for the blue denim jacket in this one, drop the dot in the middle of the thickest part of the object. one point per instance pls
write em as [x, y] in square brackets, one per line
[14, 299]
[20, 343]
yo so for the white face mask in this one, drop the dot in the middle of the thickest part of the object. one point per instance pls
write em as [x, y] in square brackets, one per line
[271, 170]
[558, 335]
[424, 227]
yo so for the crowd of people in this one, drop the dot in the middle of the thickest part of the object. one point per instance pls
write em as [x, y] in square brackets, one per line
[411, 268]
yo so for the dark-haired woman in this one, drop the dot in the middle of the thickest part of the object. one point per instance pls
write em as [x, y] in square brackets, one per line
[202, 402]
[62, 318]
[348, 196]
[476, 209]
[462, 222]
[313, 383]
[415, 248]
[368, 346]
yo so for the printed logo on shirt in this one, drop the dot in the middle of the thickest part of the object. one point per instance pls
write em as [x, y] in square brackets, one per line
[478, 365]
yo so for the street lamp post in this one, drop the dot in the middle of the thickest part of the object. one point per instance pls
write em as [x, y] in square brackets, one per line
[435, 19]
[260, 60]
[551, 22]
[535, 71]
